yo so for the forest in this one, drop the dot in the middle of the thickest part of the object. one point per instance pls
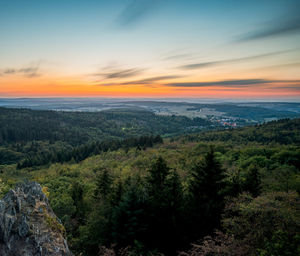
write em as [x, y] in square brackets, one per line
[134, 191]
[36, 137]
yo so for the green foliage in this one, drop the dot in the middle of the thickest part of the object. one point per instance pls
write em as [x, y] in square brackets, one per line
[157, 179]
[129, 218]
[258, 220]
[284, 132]
[206, 199]
[77, 196]
[252, 183]
[42, 129]
[281, 244]
[63, 206]
[103, 184]
[129, 196]
[4, 188]
[165, 204]
[77, 154]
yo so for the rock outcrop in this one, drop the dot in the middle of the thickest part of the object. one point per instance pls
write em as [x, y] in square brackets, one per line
[28, 225]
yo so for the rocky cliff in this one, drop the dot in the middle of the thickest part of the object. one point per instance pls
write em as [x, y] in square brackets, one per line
[28, 225]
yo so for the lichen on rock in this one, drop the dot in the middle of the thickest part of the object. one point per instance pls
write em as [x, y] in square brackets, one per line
[28, 225]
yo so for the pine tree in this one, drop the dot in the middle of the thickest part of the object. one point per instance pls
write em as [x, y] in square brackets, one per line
[117, 194]
[164, 207]
[103, 184]
[157, 203]
[158, 139]
[206, 200]
[253, 181]
[128, 220]
[173, 218]
[157, 178]
[77, 196]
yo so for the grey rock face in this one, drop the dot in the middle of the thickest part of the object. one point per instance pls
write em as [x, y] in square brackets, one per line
[28, 225]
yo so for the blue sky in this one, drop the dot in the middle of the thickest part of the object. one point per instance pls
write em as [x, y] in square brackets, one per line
[190, 40]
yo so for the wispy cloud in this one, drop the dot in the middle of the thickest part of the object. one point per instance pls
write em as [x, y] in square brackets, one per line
[279, 66]
[178, 56]
[295, 87]
[120, 73]
[229, 61]
[145, 81]
[230, 83]
[9, 71]
[29, 71]
[287, 24]
[150, 80]
[136, 11]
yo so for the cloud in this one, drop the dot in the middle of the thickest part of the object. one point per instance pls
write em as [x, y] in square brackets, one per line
[29, 71]
[230, 83]
[188, 89]
[9, 71]
[295, 88]
[287, 24]
[228, 61]
[177, 56]
[122, 73]
[150, 80]
[145, 81]
[201, 65]
[135, 12]
[284, 28]
[288, 65]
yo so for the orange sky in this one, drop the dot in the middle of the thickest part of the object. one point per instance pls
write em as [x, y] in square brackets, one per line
[47, 87]
[135, 48]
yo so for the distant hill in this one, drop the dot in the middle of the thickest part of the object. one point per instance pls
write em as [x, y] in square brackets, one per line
[284, 131]
[113, 196]
[75, 128]
[45, 135]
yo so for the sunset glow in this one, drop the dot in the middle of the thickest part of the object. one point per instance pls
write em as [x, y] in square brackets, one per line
[216, 49]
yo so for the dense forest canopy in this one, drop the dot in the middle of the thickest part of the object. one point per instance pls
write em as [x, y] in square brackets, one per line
[35, 137]
[75, 128]
[228, 192]
[282, 131]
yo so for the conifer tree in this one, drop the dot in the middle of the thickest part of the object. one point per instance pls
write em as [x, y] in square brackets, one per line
[173, 218]
[253, 181]
[77, 196]
[128, 220]
[157, 178]
[103, 184]
[165, 204]
[206, 199]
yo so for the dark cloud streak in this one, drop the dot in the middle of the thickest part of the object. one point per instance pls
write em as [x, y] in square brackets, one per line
[151, 80]
[145, 81]
[30, 71]
[229, 61]
[284, 28]
[9, 71]
[287, 24]
[135, 12]
[178, 56]
[230, 83]
[125, 73]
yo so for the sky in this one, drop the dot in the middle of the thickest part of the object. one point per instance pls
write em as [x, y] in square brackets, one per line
[150, 48]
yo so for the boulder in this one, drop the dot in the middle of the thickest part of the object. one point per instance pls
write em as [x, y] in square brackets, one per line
[28, 225]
